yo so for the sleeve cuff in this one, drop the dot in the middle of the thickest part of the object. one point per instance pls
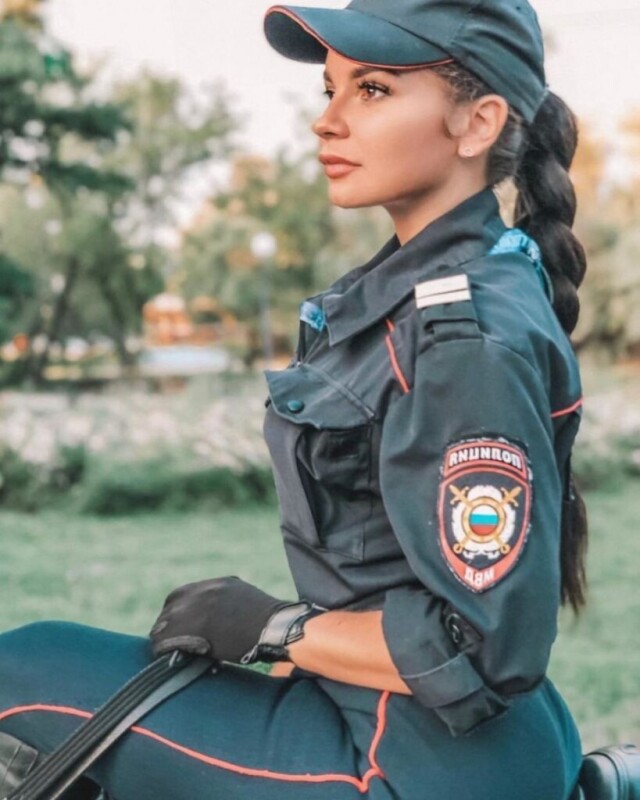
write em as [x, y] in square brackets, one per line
[440, 677]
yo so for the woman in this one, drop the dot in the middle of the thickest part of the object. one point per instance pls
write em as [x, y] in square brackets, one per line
[421, 444]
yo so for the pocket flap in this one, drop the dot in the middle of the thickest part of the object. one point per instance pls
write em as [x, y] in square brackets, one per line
[306, 395]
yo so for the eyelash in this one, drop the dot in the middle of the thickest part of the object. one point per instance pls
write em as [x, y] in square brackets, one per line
[364, 86]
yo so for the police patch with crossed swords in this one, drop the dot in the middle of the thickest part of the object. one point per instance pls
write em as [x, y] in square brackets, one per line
[484, 510]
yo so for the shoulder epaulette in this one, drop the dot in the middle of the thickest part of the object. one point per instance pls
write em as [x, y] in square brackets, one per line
[440, 291]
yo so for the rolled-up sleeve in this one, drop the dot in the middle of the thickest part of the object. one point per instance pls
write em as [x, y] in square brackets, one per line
[471, 486]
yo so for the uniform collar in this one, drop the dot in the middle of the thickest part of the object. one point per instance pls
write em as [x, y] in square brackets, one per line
[368, 293]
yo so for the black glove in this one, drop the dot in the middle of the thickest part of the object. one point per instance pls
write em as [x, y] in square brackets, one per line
[229, 620]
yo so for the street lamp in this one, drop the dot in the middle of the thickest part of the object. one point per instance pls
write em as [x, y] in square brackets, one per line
[264, 247]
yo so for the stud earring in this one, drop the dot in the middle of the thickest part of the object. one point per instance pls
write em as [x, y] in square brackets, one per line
[467, 152]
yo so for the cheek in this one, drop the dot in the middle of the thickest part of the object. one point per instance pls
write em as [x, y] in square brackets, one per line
[415, 150]
[418, 141]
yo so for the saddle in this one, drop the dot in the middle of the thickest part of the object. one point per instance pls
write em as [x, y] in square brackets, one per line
[612, 773]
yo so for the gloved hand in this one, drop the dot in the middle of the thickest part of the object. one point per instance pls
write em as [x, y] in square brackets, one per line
[221, 617]
[230, 620]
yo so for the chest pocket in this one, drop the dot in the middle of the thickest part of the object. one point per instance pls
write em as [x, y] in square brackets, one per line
[320, 438]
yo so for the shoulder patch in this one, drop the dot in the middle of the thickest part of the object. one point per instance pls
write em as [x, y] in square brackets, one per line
[484, 509]
[454, 289]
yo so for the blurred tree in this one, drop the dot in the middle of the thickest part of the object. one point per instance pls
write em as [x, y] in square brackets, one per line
[109, 286]
[608, 225]
[630, 130]
[44, 101]
[18, 65]
[105, 179]
[173, 134]
[16, 286]
[26, 10]
[588, 169]
[43, 106]
[286, 196]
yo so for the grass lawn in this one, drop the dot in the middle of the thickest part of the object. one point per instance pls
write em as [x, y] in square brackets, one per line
[596, 659]
[116, 572]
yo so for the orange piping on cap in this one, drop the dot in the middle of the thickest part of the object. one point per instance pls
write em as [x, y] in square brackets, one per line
[318, 38]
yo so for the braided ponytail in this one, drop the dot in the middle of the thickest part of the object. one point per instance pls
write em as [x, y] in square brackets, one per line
[546, 204]
[538, 157]
[546, 210]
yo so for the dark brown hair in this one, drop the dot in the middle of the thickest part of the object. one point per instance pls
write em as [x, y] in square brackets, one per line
[537, 156]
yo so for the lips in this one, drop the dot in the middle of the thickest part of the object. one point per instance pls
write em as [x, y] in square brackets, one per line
[328, 159]
[336, 167]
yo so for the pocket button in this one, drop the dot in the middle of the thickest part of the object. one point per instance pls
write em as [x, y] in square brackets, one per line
[295, 406]
[453, 625]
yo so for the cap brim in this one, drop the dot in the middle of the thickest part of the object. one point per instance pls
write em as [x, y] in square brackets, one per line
[305, 34]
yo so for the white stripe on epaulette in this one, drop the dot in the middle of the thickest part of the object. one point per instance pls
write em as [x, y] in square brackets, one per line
[443, 290]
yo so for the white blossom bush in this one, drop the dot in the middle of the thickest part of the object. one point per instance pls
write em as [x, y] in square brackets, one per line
[224, 430]
[608, 445]
[193, 433]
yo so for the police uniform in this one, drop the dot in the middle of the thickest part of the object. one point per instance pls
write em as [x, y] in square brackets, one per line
[420, 441]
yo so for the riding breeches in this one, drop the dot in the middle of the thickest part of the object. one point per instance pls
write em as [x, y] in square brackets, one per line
[241, 734]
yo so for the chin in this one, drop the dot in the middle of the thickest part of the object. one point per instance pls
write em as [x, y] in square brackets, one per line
[342, 197]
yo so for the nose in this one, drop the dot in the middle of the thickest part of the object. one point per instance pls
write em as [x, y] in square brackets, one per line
[331, 123]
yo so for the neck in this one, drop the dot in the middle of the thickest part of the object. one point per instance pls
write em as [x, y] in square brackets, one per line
[413, 214]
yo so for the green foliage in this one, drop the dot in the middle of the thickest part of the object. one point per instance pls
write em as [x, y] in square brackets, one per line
[36, 124]
[23, 486]
[597, 468]
[33, 121]
[70, 467]
[30, 487]
[610, 318]
[92, 121]
[108, 179]
[607, 460]
[19, 59]
[71, 178]
[113, 488]
[105, 485]
[596, 659]
[16, 286]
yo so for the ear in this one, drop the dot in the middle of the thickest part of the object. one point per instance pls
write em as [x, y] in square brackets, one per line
[485, 117]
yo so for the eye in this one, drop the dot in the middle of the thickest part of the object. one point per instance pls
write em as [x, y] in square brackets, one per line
[372, 90]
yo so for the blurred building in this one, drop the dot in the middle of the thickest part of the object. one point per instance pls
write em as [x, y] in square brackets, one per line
[170, 320]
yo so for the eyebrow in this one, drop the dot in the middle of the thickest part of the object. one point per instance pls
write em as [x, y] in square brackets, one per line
[360, 72]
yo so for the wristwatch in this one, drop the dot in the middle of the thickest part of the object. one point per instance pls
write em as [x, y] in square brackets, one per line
[284, 627]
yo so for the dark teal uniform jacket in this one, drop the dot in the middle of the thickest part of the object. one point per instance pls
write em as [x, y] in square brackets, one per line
[421, 442]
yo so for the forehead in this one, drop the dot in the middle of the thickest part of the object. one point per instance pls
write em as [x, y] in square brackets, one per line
[338, 68]
[336, 64]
